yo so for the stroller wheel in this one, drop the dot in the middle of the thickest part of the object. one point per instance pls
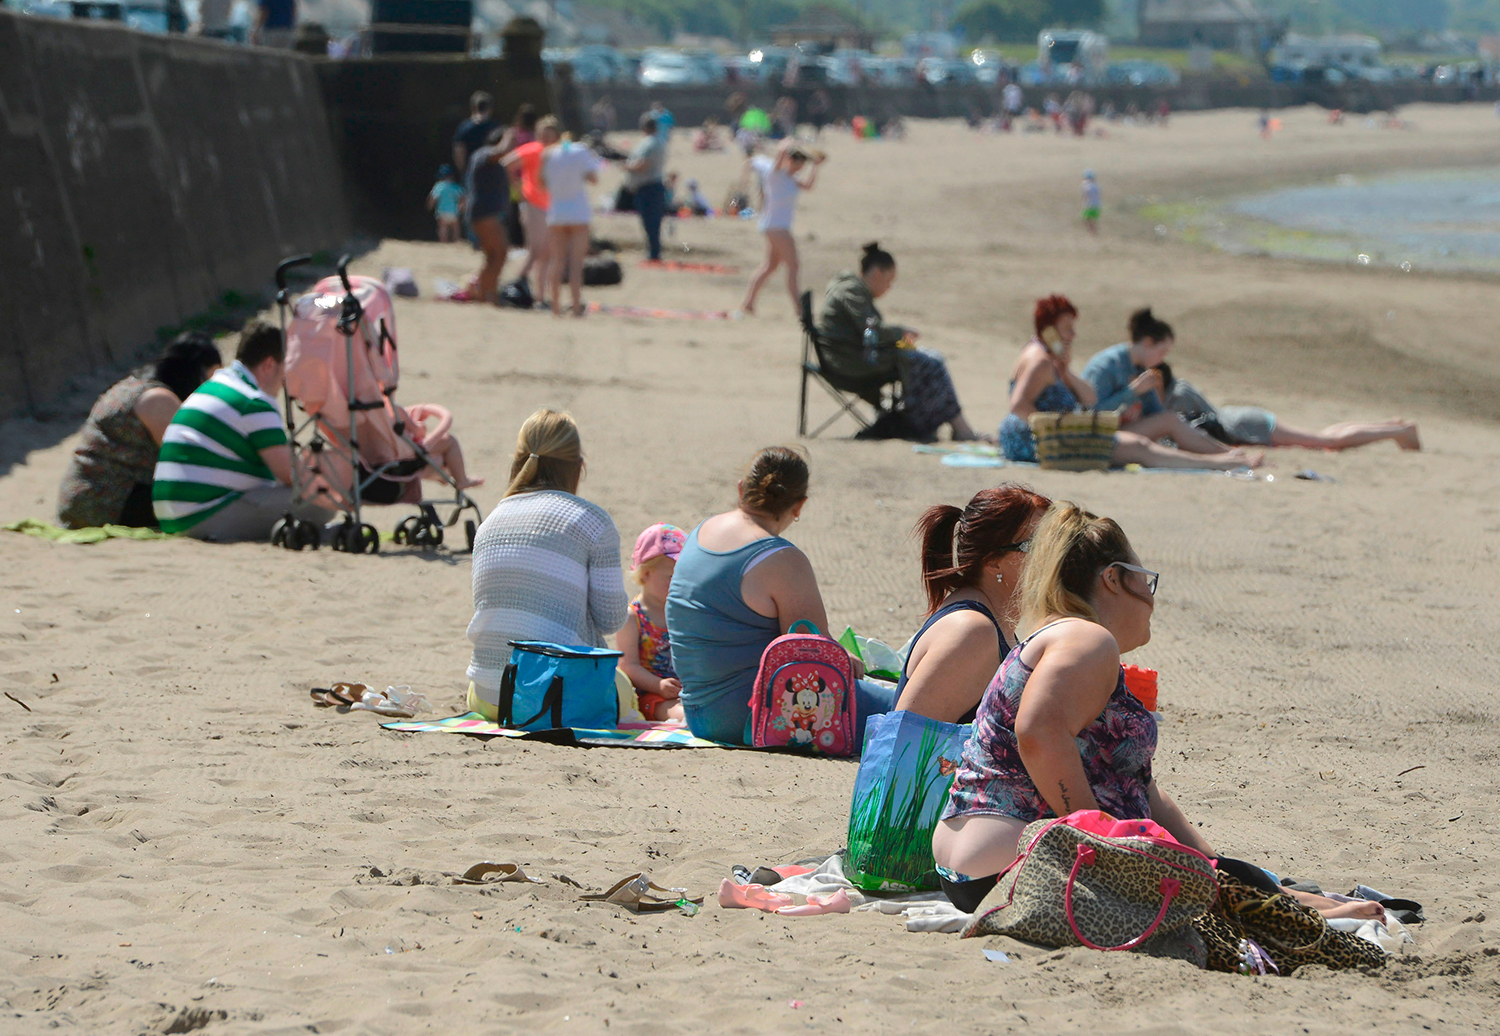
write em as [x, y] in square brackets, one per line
[307, 534]
[434, 532]
[279, 534]
[405, 530]
[469, 531]
[366, 539]
[346, 538]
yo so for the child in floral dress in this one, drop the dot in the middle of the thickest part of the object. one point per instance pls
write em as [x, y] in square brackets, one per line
[647, 654]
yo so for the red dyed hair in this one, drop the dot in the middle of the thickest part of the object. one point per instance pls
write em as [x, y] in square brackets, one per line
[1050, 309]
[956, 543]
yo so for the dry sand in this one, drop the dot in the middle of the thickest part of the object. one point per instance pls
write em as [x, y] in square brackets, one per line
[187, 841]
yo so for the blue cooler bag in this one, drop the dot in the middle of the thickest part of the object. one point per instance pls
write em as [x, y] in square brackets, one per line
[547, 686]
[899, 793]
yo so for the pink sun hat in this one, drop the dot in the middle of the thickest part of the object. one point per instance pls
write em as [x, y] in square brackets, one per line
[658, 541]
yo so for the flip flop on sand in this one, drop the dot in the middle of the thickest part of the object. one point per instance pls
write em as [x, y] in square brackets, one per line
[488, 873]
[635, 893]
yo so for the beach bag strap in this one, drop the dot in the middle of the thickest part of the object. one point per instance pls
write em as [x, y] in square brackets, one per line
[552, 701]
[1086, 856]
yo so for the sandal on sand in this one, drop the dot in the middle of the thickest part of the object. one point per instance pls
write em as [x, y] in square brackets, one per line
[751, 897]
[488, 873]
[635, 893]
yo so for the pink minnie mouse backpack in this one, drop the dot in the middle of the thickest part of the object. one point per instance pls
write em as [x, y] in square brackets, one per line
[804, 695]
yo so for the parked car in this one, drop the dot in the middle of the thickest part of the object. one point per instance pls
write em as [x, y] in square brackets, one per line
[709, 66]
[668, 68]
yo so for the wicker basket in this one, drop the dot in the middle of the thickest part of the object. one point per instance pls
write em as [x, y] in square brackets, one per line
[1075, 441]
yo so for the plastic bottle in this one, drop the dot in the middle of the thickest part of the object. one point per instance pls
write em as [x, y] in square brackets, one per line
[872, 341]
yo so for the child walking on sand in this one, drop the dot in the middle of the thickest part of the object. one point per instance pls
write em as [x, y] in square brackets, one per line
[445, 201]
[647, 654]
[1090, 192]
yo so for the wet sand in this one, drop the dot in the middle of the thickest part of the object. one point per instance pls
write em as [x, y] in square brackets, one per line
[186, 833]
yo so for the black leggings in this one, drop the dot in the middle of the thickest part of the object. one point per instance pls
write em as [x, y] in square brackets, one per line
[967, 895]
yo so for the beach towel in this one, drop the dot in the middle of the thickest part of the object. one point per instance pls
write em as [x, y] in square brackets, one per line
[656, 314]
[629, 735]
[56, 533]
[677, 266]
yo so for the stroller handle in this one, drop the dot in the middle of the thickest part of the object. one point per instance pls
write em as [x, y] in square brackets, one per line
[344, 261]
[287, 264]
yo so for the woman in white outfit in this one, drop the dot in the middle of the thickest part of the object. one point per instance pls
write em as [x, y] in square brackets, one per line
[781, 180]
[567, 170]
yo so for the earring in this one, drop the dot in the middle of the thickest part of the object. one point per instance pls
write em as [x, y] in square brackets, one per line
[999, 579]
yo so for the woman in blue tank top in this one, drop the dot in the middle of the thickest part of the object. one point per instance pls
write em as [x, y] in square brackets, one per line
[739, 585]
[971, 569]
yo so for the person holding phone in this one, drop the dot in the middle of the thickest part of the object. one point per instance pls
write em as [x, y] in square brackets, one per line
[1043, 382]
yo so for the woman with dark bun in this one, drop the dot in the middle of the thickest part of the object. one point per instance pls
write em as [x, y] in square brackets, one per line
[109, 479]
[739, 585]
[857, 343]
[1126, 378]
[1044, 382]
[971, 569]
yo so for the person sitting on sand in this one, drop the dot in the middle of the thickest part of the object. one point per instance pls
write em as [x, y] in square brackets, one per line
[224, 472]
[546, 561]
[738, 586]
[1124, 378]
[108, 481]
[1043, 382]
[643, 642]
[846, 323]
[971, 569]
[1057, 730]
[1255, 426]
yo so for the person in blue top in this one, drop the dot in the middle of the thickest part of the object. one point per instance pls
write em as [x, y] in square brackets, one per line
[739, 585]
[1124, 378]
[445, 201]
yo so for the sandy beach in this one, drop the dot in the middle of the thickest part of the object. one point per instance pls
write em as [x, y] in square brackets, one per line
[189, 843]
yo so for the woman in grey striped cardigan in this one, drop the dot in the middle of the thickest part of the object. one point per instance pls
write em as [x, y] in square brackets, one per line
[546, 561]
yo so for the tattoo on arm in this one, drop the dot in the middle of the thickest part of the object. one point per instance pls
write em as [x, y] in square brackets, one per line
[1063, 791]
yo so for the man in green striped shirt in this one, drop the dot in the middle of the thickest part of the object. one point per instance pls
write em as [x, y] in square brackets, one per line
[225, 470]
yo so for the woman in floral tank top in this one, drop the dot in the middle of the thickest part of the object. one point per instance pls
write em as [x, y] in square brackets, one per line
[1057, 731]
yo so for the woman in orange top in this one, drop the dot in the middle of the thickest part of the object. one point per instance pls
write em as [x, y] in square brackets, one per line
[534, 206]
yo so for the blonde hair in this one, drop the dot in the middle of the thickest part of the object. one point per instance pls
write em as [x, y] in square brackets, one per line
[1068, 550]
[640, 572]
[548, 122]
[549, 454]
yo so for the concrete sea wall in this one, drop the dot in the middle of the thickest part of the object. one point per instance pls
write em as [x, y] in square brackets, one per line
[141, 177]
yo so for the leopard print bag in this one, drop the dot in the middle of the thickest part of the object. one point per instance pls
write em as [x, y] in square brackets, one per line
[1287, 934]
[1072, 887]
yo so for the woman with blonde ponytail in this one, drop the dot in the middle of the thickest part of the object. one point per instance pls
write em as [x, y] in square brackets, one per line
[546, 561]
[1058, 731]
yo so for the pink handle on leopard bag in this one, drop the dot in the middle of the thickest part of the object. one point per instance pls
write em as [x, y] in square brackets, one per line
[1169, 889]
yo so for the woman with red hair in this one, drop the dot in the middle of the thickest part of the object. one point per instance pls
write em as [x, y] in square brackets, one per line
[971, 569]
[1043, 382]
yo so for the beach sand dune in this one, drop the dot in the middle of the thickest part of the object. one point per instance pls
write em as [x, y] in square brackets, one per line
[190, 844]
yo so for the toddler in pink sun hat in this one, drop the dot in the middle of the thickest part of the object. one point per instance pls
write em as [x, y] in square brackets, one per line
[646, 653]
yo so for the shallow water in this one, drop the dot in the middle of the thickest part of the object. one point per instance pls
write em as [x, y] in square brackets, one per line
[1447, 220]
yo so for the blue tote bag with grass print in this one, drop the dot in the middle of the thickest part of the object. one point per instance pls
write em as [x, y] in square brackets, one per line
[899, 793]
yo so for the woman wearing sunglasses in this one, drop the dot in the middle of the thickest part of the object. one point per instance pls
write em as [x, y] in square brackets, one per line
[1057, 731]
[971, 569]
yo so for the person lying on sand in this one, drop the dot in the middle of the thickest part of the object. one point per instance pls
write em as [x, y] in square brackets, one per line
[1043, 382]
[1124, 379]
[1252, 425]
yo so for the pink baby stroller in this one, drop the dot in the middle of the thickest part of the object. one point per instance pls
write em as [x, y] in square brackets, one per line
[354, 445]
